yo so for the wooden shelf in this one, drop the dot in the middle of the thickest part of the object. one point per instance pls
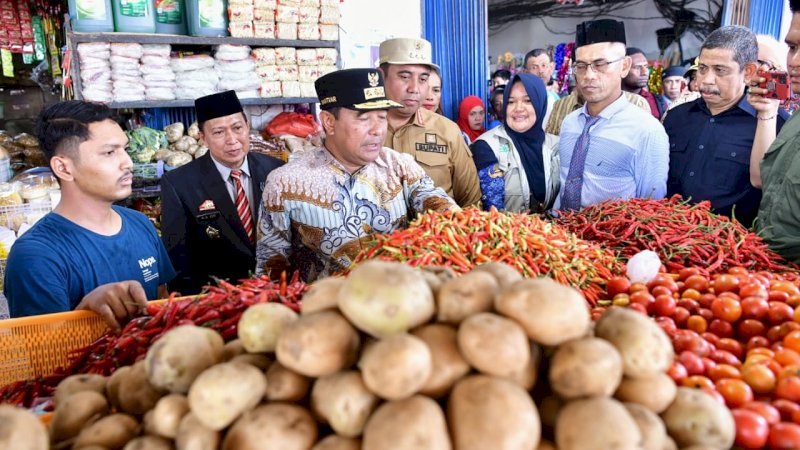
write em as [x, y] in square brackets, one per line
[184, 103]
[176, 39]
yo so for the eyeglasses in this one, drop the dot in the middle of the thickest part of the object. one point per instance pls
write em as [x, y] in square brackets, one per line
[599, 66]
[766, 65]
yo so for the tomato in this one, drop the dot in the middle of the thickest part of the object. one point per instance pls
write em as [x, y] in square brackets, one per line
[757, 342]
[754, 307]
[725, 283]
[711, 338]
[726, 309]
[706, 300]
[774, 333]
[786, 408]
[687, 340]
[779, 296]
[692, 362]
[721, 371]
[706, 313]
[664, 306]
[760, 378]
[683, 274]
[660, 290]
[677, 372]
[680, 316]
[793, 300]
[749, 328]
[784, 436]
[643, 298]
[697, 324]
[779, 313]
[788, 388]
[691, 294]
[729, 294]
[697, 382]
[764, 410]
[721, 328]
[787, 357]
[732, 346]
[785, 286]
[736, 392]
[636, 287]
[697, 282]
[618, 285]
[738, 270]
[752, 430]
[753, 290]
[725, 357]
[789, 371]
[667, 324]
[663, 280]
[788, 327]
[714, 394]
[691, 305]
[638, 308]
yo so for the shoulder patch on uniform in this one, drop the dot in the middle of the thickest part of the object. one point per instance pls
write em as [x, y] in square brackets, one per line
[430, 138]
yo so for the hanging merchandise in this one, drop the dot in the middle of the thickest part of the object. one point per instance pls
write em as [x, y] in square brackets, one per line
[563, 59]
[170, 16]
[654, 82]
[94, 16]
[207, 17]
[134, 16]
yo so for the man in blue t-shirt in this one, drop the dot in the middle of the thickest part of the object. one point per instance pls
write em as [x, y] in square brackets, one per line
[87, 253]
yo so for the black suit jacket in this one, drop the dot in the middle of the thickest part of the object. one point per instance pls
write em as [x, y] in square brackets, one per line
[205, 242]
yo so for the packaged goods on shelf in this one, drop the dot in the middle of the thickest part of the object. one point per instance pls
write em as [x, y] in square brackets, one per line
[232, 52]
[286, 73]
[184, 63]
[240, 2]
[162, 50]
[307, 89]
[286, 30]
[290, 88]
[329, 14]
[285, 55]
[308, 31]
[306, 56]
[241, 29]
[264, 55]
[240, 13]
[328, 32]
[270, 89]
[308, 14]
[329, 2]
[266, 4]
[236, 70]
[126, 76]
[308, 74]
[157, 75]
[327, 56]
[267, 72]
[287, 13]
[326, 69]
[95, 71]
[264, 30]
[193, 77]
[314, 3]
[263, 15]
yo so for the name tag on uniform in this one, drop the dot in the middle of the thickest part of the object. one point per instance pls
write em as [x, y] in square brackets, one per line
[205, 217]
[431, 148]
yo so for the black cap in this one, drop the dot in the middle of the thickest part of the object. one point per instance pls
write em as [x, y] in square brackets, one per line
[359, 89]
[673, 71]
[217, 105]
[596, 31]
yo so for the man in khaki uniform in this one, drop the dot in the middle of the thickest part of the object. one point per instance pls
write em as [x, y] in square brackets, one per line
[435, 141]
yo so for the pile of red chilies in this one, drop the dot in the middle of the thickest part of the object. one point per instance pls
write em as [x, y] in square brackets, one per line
[683, 234]
[219, 309]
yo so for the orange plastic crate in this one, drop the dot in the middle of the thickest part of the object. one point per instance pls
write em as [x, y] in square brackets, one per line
[36, 346]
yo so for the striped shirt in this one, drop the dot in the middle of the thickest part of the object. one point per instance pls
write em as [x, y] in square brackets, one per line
[628, 154]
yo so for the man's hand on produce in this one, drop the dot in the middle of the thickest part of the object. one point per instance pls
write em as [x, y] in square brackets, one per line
[115, 301]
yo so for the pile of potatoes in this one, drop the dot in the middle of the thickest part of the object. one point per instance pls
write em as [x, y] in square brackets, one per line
[396, 358]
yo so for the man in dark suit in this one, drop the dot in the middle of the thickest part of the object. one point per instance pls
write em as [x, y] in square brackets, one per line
[209, 207]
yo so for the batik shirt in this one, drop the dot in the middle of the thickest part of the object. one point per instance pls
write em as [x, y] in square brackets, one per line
[316, 217]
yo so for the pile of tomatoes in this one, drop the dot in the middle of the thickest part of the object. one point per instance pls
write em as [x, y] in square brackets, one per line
[736, 336]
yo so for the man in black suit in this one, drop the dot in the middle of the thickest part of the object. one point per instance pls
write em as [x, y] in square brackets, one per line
[209, 207]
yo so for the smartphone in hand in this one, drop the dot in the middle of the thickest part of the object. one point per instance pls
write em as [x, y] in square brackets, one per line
[777, 84]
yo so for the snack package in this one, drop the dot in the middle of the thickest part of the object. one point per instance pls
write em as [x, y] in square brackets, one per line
[286, 30]
[329, 32]
[287, 13]
[270, 89]
[329, 15]
[307, 90]
[241, 29]
[128, 50]
[306, 56]
[286, 73]
[232, 52]
[240, 13]
[327, 56]
[191, 62]
[308, 31]
[324, 70]
[314, 3]
[308, 14]
[285, 55]
[264, 30]
[290, 88]
[266, 4]
[264, 55]
[307, 74]
[263, 15]
[156, 50]
[267, 72]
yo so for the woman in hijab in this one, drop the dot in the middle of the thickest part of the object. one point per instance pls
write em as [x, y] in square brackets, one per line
[518, 165]
[471, 113]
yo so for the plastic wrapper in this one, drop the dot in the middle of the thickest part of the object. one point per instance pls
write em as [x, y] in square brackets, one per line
[329, 32]
[240, 13]
[287, 13]
[124, 63]
[155, 60]
[88, 48]
[241, 29]
[286, 30]
[191, 62]
[264, 30]
[308, 14]
[208, 76]
[161, 85]
[306, 57]
[285, 55]
[237, 75]
[129, 96]
[102, 55]
[253, 93]
[231, 52]
[89, 76]
[307, 74]
[265, 55]
[203, 86]
[240, 2]
[160, 75]
[244, 65]
[290, 88]
[160, 94]
[326, 69]
[116, 77]
[327, 56]
[98, 92]
[193, 93]
[286, 73]
[308, 31]
[267, 72]
[329, 14]
[251, 83]
[329, 2]
[307, 90]
[264, 15]
[643, 266]
[162, 50]
[270, 89]
[265, 4]
[128, 86]
[314, 3]
[127, 49]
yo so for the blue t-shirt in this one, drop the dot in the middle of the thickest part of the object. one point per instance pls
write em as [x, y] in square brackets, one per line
[57, 262]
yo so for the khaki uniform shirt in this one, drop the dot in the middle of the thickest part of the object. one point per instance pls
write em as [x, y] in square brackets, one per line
[571, 103]
[437, 145]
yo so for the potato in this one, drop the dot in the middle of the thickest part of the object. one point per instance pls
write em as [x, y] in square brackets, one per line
[284, 385]
[136, 395]
[277, 425]
[502, 272]
[323, 294]
[645, 348]
[396, 367]
[193, 435]
[114, 381]
[79, 383]
[334, 442]
[182, 353]
[448, 364]
[653, 431]
[167, 416]
[78, 410]
[494, 345]
[385, 298]
[596, 423]
[486, 412]
[550, 313]
[343, 401]
[669, 444]
[655, 393]
[111, 432]
[232, 349]
[415, 423]
[225, 391]
[696, 418]
[149, 443]
[260, 361]
[261, 325]
[462, 297]
[20, 429]
[318, 344]
[587, 367]
[526, 378]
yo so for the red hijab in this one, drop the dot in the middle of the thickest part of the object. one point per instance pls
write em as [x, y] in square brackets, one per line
[463, 116]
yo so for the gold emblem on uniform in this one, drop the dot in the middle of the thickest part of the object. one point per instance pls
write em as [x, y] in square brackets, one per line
[212, 232]
[430, 138]
[373, 79]
[375, 92]
[327, 100]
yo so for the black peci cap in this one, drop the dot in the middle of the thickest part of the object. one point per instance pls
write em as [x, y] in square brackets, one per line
[673, 71]
[596, 31]
[359, 89]
[217, 105]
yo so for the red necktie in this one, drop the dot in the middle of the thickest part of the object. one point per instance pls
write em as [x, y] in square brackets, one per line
[242, 205]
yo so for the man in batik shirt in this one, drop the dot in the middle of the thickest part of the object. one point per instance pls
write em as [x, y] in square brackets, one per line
[321, 209]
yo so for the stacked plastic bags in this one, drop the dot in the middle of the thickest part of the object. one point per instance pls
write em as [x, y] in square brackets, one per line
[195, 76]
[95, 71]
[126, 77]
[159, 79]
[236, 70]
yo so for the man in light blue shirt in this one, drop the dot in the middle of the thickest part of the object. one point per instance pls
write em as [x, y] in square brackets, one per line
[609, 148]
